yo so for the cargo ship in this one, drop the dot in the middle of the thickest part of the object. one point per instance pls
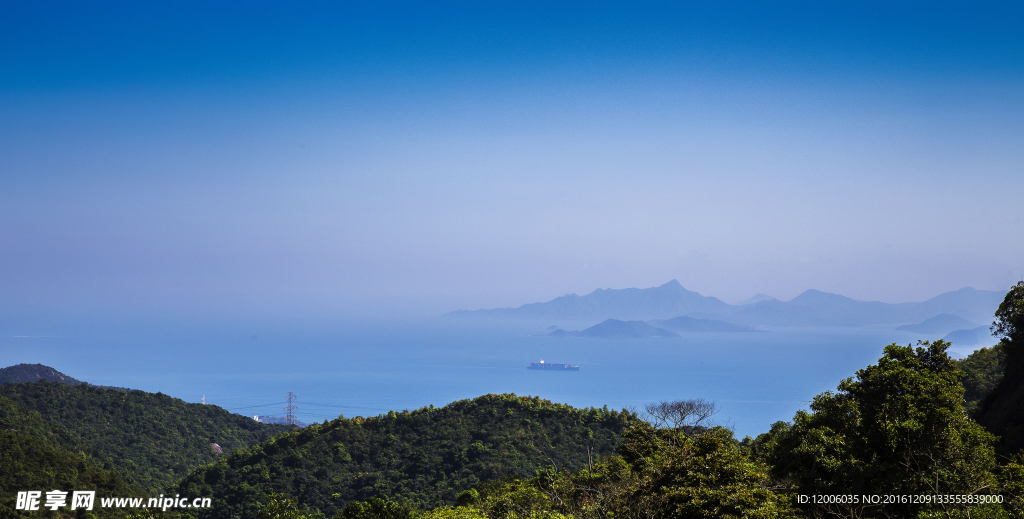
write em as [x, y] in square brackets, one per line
[552, 366]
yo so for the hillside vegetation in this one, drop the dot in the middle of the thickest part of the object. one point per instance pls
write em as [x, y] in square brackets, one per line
[38, 455]
[152, 440]
[28, 463]
[1002, 412]
[421, 458]
[983, 370]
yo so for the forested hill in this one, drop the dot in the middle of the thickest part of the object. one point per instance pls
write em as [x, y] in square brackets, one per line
[152, 440]
[35, 373]
[37, 454]
[423, 458]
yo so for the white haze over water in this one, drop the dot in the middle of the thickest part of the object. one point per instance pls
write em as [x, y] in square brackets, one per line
[755, 378]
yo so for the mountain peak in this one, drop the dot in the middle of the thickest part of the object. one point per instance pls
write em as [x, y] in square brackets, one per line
[966, 290]
[34, 373]
[812, 296]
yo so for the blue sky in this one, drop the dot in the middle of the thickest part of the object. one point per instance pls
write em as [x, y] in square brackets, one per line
[411, 158]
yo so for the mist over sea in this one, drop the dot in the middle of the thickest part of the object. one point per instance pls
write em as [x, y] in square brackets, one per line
[369, 368]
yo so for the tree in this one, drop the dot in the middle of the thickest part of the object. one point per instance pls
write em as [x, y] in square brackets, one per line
[677, 474]
[983, 370]
[280, 506]
[1012, 486]
[689, 416]
[376, 508]
[1009, 323]
[1002, 412]
[899, 428]
[678, 467]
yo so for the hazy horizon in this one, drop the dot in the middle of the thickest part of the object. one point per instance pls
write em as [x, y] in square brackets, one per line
[255, 161]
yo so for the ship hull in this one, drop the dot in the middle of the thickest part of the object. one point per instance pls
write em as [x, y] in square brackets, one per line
[553, 367]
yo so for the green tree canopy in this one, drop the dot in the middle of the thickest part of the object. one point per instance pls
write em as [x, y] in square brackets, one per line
[983, 370]
[1009, 323]
[1002, 412]
[421, 459]
[898, 428]
[677, 475]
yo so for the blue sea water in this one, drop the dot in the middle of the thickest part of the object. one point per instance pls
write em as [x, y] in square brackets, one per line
[367, 369]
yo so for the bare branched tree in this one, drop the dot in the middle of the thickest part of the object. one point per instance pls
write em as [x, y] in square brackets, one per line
[686, 415]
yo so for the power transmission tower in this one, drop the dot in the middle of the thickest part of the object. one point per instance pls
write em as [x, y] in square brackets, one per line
[289, 417]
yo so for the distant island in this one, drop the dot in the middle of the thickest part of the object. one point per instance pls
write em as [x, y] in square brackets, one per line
[980, 336]
[614, 329]
[940, 324]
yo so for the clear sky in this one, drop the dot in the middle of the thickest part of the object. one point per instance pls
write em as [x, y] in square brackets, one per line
[411, 158]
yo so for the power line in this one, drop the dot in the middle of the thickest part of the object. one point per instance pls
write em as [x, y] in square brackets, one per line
[252, 406]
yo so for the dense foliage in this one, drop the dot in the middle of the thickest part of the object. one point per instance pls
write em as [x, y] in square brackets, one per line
[1009, 323]
[1003, 411]
[28, 463]
[37, 455]
[983, 370]
[422, 458]
[153, 440]
[658, 473]
[705, 475]
[21, 420]
[899, 428]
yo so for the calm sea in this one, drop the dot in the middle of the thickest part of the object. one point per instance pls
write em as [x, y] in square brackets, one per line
[362, 370]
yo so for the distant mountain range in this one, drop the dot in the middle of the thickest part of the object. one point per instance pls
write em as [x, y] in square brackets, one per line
[811, 308]
[629, 304]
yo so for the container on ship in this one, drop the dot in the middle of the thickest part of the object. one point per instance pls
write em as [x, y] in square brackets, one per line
[552, 366]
